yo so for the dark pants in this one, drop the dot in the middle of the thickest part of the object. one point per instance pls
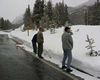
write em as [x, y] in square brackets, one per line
[68, 54]
[34, 47]
[40, 49]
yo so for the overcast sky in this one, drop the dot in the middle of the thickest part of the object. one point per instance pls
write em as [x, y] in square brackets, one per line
[10, 9]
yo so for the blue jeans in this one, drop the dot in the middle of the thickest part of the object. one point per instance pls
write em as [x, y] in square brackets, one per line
[67, 53]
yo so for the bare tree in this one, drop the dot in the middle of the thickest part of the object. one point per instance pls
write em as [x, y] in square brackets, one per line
[90, 45]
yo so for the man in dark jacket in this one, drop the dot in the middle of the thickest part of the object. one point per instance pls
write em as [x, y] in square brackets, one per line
[40, 41]
[67, 45]
[34, 43]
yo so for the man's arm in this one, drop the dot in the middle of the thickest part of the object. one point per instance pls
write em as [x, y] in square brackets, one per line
[71, 40]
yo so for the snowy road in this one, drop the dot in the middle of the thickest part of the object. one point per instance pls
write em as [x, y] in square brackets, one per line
[19, 65]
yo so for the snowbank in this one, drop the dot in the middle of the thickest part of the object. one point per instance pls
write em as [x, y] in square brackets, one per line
[53, 46]
[2, 32]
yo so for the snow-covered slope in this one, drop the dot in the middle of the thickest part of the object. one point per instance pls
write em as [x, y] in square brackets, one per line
[18, 20]
[53, 47]
[90, 2]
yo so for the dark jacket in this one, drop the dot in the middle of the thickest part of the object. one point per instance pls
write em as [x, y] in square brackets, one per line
[34, 39]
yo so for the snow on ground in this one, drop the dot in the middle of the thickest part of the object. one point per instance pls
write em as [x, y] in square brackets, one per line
[53, 47]
[2, 32]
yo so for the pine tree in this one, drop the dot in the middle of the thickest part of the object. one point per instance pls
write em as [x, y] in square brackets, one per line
[38, 12]
[8, 24]
[42, 8]
[2, 23]
[61, 14]
[5, 24]
[56, 15]
[45, 22]
[27, 18]
[66, 15]
[49, 10]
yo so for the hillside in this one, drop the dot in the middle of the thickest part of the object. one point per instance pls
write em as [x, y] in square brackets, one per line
[77, 15]
[18, 20]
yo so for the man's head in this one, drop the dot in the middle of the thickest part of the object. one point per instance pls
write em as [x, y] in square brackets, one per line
[40, 29]
[67, 29]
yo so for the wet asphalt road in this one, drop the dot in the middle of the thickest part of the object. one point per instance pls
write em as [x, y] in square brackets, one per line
[20, 65]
